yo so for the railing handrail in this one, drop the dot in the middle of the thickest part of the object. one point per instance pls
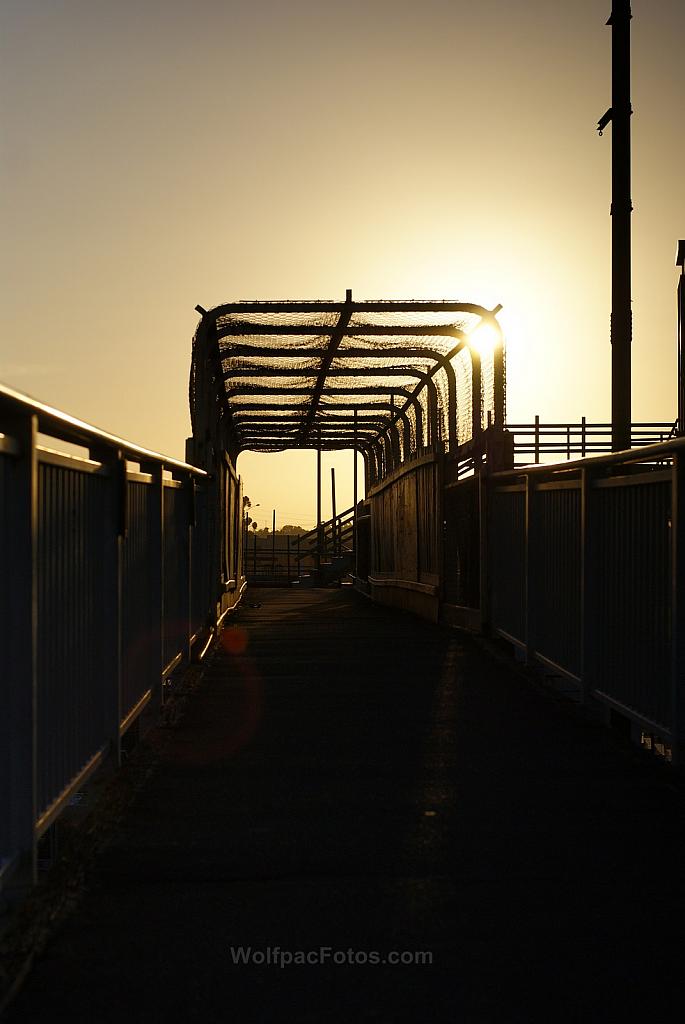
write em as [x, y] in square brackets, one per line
[339, 517]
[578, 424]
[68, 428]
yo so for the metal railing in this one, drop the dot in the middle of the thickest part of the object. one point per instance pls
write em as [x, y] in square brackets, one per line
[546, 442]
[586, 569]
[110, 571]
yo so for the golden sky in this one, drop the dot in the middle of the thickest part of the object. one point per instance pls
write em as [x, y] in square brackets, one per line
[157, 154]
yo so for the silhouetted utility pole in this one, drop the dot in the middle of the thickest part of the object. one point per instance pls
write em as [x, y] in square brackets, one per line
[680, 262]
[334, 535]
[355, 497]
[621, 208]
[318, 500]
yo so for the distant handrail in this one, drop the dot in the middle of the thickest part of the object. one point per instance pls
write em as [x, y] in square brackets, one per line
[347, 515]
[541, 440]
[604, 427]
[647, 453]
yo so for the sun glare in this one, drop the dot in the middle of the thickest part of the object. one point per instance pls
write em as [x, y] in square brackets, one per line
[484, 339]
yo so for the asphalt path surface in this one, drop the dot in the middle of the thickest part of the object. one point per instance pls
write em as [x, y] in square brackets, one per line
[351, 785]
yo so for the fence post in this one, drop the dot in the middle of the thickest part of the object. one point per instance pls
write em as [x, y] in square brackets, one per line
[483, 483]
[111, 651]
[19, 688]
[355, 483]
[678, 604]
[587, 587]
[156, 564]
[531, 573]
[537, 439]
[190, 513]
[438, 476]
[318, 502]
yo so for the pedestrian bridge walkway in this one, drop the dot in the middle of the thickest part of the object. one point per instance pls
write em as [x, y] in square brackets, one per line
[348, 780]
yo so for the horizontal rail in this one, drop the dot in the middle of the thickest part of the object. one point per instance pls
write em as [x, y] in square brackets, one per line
[68, 428]
[330, 306]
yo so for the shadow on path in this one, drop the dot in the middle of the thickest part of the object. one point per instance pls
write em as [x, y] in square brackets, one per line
[351, 778]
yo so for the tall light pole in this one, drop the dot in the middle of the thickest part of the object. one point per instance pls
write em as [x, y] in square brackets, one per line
[621, 209]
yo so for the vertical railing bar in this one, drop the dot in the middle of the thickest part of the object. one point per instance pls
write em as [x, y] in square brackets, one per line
[586, 587]
[678, 606]
[190, 492]
[484, 581]
[19, 688]
[111, 646]
[156, 568]
[537, 440]
[354, 491]
[530, 527]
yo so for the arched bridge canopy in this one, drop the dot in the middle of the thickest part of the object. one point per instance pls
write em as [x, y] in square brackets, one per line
[282, 375]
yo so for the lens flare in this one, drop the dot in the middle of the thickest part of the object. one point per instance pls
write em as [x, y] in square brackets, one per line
[234, 640]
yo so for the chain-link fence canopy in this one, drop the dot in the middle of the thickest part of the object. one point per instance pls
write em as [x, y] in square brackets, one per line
[337, 375]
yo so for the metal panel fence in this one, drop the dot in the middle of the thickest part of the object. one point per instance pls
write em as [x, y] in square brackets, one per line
[587, 574]
[71, 710]
[107, 575]
[508, 560]
[176, 595]
[556, 562]
[461, 559]
[632, 610]
[140, 598]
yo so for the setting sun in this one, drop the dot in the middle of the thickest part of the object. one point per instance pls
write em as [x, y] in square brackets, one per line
[485, 339]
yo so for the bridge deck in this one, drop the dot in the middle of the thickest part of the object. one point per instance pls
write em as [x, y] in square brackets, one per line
[356, 778]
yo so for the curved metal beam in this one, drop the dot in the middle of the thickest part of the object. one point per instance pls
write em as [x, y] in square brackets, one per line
[402, 306]
[258, 389]
[246, 329]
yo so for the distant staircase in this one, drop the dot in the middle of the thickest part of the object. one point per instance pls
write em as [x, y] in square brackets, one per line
[318, 558]
[326, 555]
